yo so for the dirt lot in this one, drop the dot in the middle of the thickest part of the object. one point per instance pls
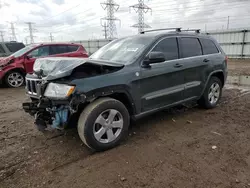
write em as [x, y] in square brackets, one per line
[172, 148]
[239, 67]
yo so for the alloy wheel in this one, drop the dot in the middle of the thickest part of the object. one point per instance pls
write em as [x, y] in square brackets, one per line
[108, 126]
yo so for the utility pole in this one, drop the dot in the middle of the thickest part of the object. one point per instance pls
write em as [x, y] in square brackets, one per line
[1, 34]
[13, 33]
[30, 28]
[105, 30]
[228, 22]
[51, 37]
[141, 9]
[111, 8]
[26, 40]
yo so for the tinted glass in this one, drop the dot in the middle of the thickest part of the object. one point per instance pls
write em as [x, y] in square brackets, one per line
[190, 47]
[208, 46]
[40, 52]
[169, 47]
[72, 48]
[1, 49]
[59, 49]
[13, 47]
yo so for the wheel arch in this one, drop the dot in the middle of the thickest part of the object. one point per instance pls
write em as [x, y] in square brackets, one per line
[119, 92]
[219, 74]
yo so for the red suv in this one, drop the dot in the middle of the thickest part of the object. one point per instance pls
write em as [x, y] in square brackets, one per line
[14, 67]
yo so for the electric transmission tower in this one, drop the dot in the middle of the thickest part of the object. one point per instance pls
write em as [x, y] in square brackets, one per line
[31, 30]
[13, 33]
[111, 8]
[2, 36]
[141, 9]
[51, 37]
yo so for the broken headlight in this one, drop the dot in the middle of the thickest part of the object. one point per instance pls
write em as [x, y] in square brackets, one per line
[58, 91]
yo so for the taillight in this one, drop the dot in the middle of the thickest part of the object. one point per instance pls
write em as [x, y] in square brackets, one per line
[226, 59]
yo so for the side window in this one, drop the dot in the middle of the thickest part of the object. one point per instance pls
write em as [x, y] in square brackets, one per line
[208, 46]
[13, 47]
[40, 52]
[58, 49]
[1, 49]
[169, 47]
[190, 47]
[72, 48]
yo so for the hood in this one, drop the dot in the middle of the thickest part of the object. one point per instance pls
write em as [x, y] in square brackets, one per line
[52, 68]
[6, 60]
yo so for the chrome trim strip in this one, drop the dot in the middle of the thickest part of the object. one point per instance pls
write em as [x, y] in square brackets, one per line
[171, 90]
[192, 84]
[164, 92]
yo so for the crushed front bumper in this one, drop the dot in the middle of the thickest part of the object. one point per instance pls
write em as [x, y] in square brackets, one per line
[47, 114]
[56, 114]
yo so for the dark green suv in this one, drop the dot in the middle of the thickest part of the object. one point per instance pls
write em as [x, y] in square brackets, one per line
[127, 79]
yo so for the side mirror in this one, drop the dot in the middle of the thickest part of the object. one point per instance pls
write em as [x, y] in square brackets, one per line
[28, 57]
[154, 57]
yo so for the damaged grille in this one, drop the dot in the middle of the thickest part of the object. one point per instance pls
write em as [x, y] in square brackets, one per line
[33, 87]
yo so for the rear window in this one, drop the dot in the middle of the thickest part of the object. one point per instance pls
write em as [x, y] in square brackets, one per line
[1, 49]
[58, 49]
[72, 48]
[190, 47]
[208, 46]
[13, 47]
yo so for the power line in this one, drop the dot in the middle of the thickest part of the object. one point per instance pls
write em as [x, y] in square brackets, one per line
[141, 8]
[111, 8]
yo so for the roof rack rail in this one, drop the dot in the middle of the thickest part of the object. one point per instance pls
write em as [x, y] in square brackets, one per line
[196, 30]
[178, 29]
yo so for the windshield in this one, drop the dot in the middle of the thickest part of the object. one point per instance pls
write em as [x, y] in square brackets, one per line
[23, 51]
[124, 50]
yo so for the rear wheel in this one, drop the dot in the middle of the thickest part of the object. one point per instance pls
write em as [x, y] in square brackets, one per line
[14, 79]
[103, 124]
[212, 93]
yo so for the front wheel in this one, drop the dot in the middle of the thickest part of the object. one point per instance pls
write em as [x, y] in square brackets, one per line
[103, 124]
[212, 93]
[14, 79]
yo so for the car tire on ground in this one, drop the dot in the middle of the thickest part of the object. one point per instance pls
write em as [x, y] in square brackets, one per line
[212, 93]
[103, 124]
[14, 79]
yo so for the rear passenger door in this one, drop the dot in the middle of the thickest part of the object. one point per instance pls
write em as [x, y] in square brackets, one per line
[195, 66]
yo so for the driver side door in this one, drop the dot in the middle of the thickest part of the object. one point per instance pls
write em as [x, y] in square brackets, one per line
[162, 83]
[31, 57]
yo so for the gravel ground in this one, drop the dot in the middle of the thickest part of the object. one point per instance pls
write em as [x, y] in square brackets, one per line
[182, 147]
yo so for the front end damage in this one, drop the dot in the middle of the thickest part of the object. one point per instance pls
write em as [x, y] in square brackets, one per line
[53, 114]
[54, 101]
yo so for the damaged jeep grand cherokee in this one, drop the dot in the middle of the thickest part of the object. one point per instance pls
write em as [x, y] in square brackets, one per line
[126, 79]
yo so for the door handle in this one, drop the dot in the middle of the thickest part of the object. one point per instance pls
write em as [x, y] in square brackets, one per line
[206, 60]
[177, 65]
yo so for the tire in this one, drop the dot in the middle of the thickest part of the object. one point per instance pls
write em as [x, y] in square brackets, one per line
[14, 79]
[102, 110]
[206, 101]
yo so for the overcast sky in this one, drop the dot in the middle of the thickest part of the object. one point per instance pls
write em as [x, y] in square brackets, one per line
[80, 19]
